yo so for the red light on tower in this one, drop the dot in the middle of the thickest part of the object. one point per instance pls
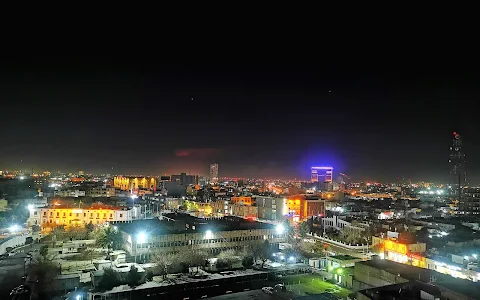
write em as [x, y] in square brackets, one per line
[454, 133]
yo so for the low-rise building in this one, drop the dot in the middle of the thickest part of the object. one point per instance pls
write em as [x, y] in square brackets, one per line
[177, 231]
[243, 200]
[101, 192]
[381, 273]
[402, 252]
[70, 193]
[341, 261]
[301, 207]
[50, 217]
[222, 208]
[271, 208]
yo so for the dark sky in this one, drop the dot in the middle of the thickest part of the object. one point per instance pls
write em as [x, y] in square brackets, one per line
[372, 120]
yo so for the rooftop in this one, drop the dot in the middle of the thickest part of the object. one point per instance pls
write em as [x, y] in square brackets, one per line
[465, 287]
[345, 257]
[407, 291]
[181, 223]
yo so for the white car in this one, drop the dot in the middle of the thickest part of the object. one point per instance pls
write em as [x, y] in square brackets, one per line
[268, 290]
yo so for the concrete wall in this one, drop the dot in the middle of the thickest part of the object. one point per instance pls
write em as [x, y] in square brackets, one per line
[375, 277]
[12, 241]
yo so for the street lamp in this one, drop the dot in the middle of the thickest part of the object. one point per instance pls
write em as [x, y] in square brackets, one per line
[13, 228]
[280, 229]
[141, 239]
[208, 235]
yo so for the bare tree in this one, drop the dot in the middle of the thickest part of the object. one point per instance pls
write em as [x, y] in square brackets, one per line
[163, 262]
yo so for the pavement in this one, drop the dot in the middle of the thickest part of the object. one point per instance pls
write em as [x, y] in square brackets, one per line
[253, 295]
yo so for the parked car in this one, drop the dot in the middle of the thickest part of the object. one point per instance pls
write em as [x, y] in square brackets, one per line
[268, 290]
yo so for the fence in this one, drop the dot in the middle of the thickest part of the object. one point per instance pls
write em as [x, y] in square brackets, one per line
[340, 244]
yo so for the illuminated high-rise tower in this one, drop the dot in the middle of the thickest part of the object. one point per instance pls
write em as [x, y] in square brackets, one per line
[457, 164]
[214, 173]
[322, 174]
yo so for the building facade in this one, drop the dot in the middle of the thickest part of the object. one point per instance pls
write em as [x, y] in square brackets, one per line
[271, 208]
[101, 192]
[214, 173]
[185, 179]
[200, 234]
[322, 174]
[133, 184]
[222, 208]
[70, 193]
[301, 207]
[245, 200]
[50, 217]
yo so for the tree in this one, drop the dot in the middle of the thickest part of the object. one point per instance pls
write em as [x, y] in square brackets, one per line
[304, 229]
[44, 251]
[149, 275]
[76, 233]
[109, 238]
[163, 262]
[229, 257]
[198, 259]
[247, 261]
[262, 251]
[222, 264]
[42, 271]
[89, 227]
[190, 258]
[110, 279]
[133, 276]
[58, 233]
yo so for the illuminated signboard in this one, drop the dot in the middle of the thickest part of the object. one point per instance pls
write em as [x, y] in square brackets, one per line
[395, 247]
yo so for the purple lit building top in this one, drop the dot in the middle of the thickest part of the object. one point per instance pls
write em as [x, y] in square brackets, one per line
[322, 174]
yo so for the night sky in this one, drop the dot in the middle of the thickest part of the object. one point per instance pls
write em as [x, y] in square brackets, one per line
[369, 121]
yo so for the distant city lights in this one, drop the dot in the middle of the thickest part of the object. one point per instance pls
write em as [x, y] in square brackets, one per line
[429, 192]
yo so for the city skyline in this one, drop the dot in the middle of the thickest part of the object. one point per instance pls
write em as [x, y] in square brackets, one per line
[254, 121]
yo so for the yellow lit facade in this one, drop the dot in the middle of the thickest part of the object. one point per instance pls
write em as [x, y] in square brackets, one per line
[134, 183]
[246, 200]
[49, 218]
[402, 253]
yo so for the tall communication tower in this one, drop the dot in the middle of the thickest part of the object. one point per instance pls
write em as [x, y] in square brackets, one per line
[457, 164]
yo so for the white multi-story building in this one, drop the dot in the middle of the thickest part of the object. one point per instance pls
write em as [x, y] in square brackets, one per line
[70, 193]
[101, 192]
[49, 217]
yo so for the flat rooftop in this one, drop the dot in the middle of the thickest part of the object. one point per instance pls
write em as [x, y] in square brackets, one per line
[181, 223]
[345, 257]
[463, 286]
